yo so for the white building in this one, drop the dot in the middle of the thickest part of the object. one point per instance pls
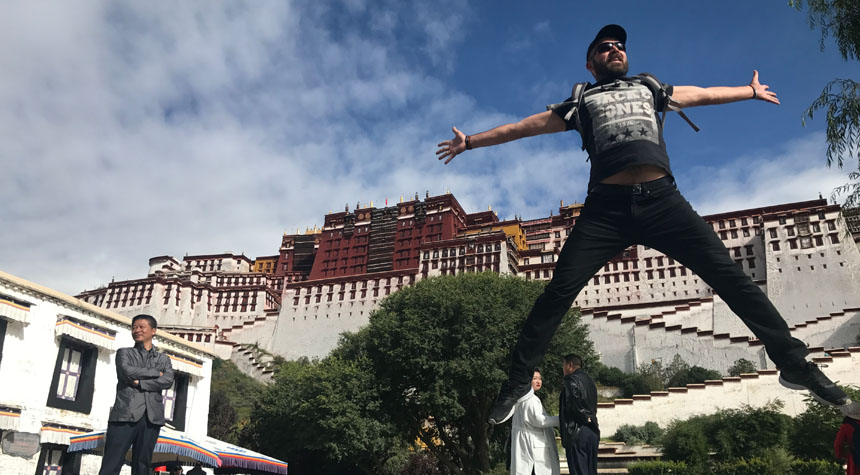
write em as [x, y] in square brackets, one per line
[57, 365]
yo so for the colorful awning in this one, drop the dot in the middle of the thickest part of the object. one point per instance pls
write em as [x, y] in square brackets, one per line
[85, 331]
[241, 458]
[172, 446]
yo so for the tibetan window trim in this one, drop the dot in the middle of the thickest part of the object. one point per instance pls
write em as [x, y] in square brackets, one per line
[9, 417]
[14, 309]
[53, 433]
[185, 364]
[86, 332]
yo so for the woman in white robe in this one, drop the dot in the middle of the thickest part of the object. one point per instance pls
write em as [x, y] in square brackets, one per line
[532, 436]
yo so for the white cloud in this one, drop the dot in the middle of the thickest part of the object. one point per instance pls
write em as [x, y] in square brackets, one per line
[140, 129]
[794, 171]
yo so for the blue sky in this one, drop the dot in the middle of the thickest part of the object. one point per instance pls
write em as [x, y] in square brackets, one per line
[136, 130]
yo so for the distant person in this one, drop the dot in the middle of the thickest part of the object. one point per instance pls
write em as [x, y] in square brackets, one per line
[847, 445]
[197, 470]
[533, 447]
[577, 411]
[175, 470]
[632, 198]
[138, 412]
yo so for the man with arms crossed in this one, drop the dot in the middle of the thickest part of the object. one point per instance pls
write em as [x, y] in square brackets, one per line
[138, 412]
[632, 198]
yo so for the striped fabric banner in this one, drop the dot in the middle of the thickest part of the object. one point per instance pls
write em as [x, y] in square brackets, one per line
[185, 364]
[87, 332]
[13, 309]
[60, 434]
[9, 417]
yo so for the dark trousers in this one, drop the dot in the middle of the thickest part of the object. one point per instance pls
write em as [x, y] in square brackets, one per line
[582, 453]
[656, 215]
[141, 436]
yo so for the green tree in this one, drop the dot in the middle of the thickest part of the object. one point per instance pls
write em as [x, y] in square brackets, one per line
[840, 98]
[222, 416]
[440, 350]
[814, 429]
[325, 417]
[742, 365]
[233, 395]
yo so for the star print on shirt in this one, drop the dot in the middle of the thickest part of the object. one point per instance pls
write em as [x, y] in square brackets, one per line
[643, 132]
[613, 138]
[627, 133]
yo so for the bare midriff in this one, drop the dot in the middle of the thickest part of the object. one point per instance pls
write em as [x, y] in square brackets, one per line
[635, 174]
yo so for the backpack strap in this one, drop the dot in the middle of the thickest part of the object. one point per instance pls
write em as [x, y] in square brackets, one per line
[575, 99]
[662, 99]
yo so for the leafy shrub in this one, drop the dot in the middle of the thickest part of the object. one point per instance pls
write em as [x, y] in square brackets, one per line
[742, 365]
[661, 467]
[422, 463]
[816, 467]
[692, 375]
[814, 429]
[648, 433]
[749, 431]
[775, 462]
[685, 441]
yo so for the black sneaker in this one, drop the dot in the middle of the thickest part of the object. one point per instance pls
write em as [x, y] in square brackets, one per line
[808, 376]
[503, 408]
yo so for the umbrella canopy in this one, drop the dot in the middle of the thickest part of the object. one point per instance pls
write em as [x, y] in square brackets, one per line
[240, 460]
[172, 446]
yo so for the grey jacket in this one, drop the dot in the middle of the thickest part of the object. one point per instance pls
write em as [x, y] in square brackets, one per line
[154, 372]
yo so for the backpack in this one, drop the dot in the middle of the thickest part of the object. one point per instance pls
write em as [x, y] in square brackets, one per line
[661, 99]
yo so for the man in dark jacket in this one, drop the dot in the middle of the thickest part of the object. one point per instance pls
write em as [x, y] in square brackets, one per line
[577, 411]
[138, 411]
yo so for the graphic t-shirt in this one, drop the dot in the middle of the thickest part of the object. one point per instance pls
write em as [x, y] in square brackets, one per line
[620, 126]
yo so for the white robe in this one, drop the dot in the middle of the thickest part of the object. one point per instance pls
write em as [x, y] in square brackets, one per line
[533, 439]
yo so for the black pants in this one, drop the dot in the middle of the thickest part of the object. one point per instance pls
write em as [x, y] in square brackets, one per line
[582, 454]
[141, 436]
[656, 215]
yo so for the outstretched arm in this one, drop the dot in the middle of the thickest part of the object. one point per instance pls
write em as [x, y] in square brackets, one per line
[692, 96]
[537, 124]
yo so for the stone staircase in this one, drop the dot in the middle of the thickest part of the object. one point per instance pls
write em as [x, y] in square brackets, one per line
[253, 362]
[627, 341]
[754, 389]
[253, 330]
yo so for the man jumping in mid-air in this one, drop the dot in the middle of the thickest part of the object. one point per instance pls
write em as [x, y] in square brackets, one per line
[632, 198]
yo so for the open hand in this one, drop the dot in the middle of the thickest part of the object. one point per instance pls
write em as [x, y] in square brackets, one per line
[451, 148]
[761, 90]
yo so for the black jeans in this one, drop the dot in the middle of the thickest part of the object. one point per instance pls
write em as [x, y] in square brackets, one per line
[582, 453]
[141, 436]
[656, 215]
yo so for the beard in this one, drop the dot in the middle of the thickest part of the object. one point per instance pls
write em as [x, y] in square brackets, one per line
[611, 69]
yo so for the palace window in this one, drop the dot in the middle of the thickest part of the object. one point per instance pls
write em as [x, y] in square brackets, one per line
[74, 377]
[176, 400]
[54, 460]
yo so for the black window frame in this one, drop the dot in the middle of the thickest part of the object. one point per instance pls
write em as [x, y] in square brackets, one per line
[83, 402]
[180, 403]
[70, 462]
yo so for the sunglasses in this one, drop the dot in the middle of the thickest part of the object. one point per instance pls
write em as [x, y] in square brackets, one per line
[607, 47]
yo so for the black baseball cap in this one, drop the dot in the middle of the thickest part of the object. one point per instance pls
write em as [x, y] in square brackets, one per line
[615, 31]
